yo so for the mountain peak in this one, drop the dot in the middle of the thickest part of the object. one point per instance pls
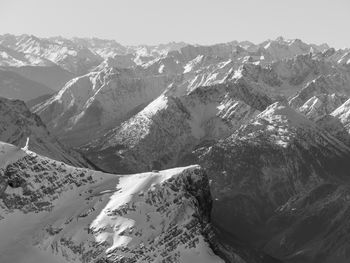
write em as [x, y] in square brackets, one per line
[281, 112]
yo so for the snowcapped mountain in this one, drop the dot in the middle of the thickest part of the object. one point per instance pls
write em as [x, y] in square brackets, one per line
[63, 52]
[17, 124]
[11, 57]
[77, 55]
[287, 48]
[65, 214]
[56, 60]
[209, 103]
[102, 102]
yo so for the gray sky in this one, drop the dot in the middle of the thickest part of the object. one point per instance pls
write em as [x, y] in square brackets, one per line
[193, 21]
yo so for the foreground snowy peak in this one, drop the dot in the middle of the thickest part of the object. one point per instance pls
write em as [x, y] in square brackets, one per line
[17, 124]
[66, 214]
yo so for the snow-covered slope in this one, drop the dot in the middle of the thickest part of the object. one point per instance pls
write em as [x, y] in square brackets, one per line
[60, 213]
[17, 124]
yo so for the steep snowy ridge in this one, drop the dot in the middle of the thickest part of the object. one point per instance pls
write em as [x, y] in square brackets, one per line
[343, 114]
[338, 84]
[67, 214]
[320, 105]
[97, 100]
[17, 124]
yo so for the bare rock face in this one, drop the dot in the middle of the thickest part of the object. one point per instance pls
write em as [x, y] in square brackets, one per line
[260, 174]
[67, 214]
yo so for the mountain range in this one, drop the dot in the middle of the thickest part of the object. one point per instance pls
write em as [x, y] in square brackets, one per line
[234, 152]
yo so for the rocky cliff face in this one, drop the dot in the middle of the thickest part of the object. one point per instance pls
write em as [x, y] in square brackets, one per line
[66, 214]
[17, 124]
